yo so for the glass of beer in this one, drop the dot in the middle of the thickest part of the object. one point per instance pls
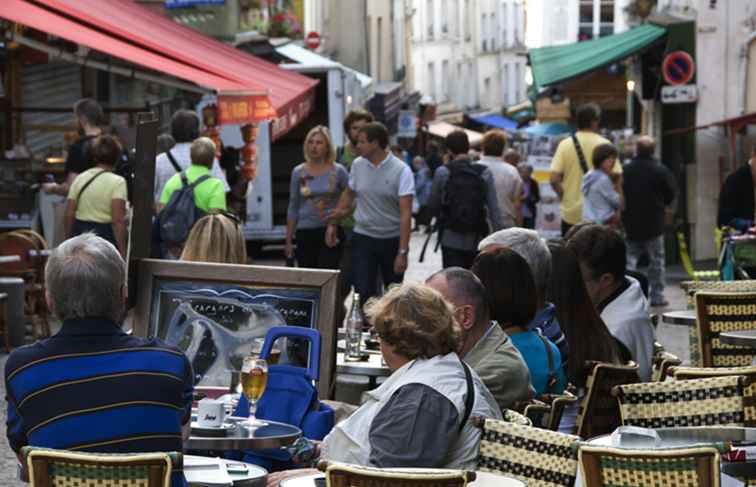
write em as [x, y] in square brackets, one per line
[254, 378]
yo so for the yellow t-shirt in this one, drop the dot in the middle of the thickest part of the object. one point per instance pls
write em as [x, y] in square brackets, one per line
[95, 203]
[566, 162]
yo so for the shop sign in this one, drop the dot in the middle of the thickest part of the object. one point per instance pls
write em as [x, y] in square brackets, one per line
[244, 109]
[679, 94]
[407, 124]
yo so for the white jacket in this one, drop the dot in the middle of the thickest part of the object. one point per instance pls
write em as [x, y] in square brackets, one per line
[628, 320]
[349, 440]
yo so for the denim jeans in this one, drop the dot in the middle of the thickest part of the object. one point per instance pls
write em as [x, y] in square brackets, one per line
[654, 248]
[369, 255]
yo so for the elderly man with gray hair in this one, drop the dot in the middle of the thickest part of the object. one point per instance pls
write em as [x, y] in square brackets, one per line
[484, 345]
[93, 387]
[534, 250]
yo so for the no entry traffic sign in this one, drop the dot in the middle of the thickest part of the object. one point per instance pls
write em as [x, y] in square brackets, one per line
[312, 40]
[678, 68]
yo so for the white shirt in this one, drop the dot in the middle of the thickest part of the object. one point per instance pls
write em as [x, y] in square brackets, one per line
[406, 179]
[164, 170]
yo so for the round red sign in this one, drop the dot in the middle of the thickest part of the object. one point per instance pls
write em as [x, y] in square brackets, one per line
[678, 68]
[312, 40]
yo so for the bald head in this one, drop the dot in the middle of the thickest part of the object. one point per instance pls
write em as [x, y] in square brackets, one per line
[645, 146]
[462, 288]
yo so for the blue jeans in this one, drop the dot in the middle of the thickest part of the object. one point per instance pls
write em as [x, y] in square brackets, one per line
[654, 248]
[370, 255]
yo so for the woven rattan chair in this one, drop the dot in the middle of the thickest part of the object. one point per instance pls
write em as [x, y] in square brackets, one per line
[679, 467]
[717, 312]
[749, 401]
[547, 411]
[599, 411]
[344, 475]
[538, 457]
[660, 365]
[715, 401]
[61, 468]
[513, 416]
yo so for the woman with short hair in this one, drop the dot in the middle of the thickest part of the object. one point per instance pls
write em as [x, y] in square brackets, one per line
[419, 416]
[314, 191]
[216, 237]
[97, 198]
[512, 296]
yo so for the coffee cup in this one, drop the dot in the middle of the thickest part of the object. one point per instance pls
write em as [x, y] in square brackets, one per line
[210, 413]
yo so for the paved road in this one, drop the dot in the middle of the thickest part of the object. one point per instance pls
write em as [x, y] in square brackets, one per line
[674, 338]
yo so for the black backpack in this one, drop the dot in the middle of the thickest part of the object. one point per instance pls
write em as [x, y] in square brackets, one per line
[179, 215]
[463, 208]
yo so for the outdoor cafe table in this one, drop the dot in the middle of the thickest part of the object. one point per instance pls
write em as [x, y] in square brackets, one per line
[694, 436]
[482, 479]
[270, 435]
[199, 471]
[373, 367]
[9, 259]
[686, 317]
[743, 338]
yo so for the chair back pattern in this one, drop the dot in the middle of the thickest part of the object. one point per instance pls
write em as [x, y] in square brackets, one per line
[538, 457]
[721, 312]
[599, 411]
[749, 391]
[513, 416]
[547, 411]
[714, 401]
[346, 475]
[683, 467]
[61, 468]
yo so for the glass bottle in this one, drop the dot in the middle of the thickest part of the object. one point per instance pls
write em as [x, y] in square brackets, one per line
[354, 331]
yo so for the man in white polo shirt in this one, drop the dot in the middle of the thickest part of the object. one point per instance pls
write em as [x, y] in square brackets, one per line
[381, 186]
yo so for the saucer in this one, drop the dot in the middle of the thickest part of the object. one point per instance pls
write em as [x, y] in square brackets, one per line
[221, 430]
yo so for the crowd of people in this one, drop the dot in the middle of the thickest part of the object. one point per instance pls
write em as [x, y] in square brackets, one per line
[504, 321]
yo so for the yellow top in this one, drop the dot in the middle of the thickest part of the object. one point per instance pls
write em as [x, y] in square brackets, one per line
[566, 162]
[95, 204]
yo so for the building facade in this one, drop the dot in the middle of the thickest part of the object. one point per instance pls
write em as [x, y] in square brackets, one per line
[466, 53]
[554, 22]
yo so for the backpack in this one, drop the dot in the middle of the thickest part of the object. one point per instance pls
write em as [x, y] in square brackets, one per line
[463, 208]
[179, 215]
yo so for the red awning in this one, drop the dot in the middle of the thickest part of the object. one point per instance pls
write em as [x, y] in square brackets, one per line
[249, 88]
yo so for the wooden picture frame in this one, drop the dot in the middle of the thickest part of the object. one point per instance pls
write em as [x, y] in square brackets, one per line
[163, 283]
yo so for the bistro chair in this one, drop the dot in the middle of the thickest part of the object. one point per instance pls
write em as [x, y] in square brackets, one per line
[547, 411]
[599, 411]
[717, 312]
[688, 264]
[749, 391]
[536, 456]
[681, 467]
[346, 475]
[62, 468]
[661, 363]
[714, 401]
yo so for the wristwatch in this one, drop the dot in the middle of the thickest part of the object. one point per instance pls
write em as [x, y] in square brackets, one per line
[403, 251]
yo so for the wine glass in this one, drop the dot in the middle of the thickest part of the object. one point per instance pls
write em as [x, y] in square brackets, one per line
[254, 378]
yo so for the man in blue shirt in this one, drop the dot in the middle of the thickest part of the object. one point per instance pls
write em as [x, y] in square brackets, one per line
[92, 387]
[534, 250]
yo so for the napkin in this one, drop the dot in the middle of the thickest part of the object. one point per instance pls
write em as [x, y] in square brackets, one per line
[206, 471]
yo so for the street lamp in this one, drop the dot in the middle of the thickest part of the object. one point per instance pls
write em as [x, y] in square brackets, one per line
[630, 103]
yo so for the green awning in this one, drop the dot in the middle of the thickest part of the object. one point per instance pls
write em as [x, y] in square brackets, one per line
[554, 64]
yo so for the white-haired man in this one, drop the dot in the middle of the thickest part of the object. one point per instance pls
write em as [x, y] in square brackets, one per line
[93, 387]
[531, 247]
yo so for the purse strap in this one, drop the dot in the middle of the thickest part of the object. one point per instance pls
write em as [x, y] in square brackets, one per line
[470, 397]
[552, 380]
[580, 154]
[86, 185]
[173, 161]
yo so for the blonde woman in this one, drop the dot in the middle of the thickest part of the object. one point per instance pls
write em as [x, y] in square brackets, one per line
[316, 185]
[216, 237]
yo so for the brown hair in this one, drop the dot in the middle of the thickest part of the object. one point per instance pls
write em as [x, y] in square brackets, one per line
[603, 152]
[494, 142]
[415, 320]
[321, 130]
[216, 237]
[376, 132]
[356, 115]
[509, 284]
[106, 150]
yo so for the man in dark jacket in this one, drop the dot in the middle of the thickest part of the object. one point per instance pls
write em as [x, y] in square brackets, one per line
[736, 200]
[649, 187]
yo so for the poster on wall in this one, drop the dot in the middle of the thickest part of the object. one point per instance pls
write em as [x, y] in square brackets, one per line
[220, 313]
[548, 222]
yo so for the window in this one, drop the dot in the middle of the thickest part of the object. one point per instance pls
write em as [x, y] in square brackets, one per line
[487, 94]
[507, 87]
[445, 81]
[595, 19]
[585, 20]
[492, 32]
[504, 26]
[444, 17]
[519, 23]
[468, 25]
[431, 84]
[460, 86]
[483, 32]
[606, 18]
[429, 18]
[454, 18]
[518, 83]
